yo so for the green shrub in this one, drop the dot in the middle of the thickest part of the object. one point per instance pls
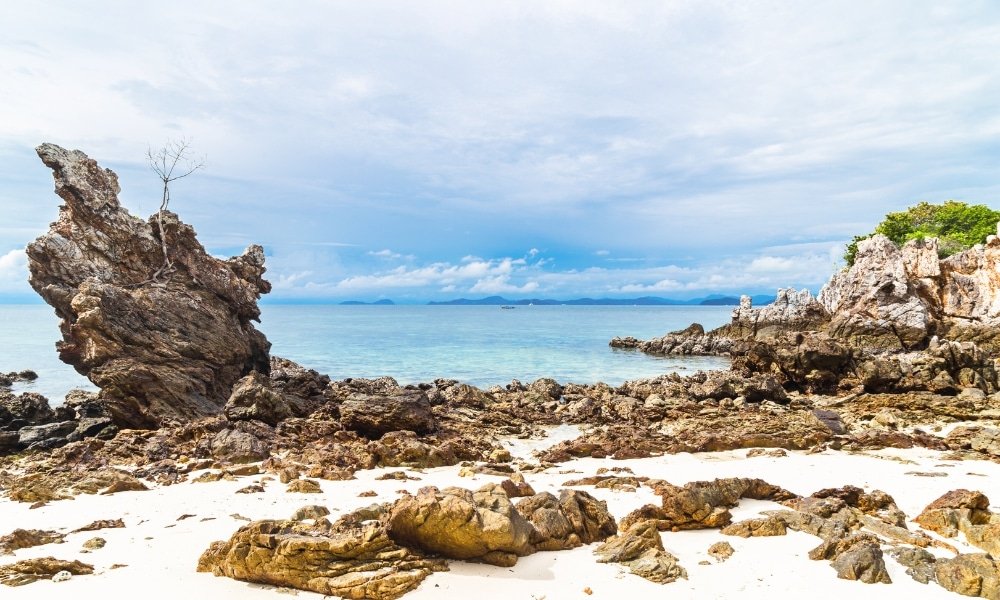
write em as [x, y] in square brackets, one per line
[957, 226]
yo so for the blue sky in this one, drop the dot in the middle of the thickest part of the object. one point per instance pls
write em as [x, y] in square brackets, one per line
[434, 150]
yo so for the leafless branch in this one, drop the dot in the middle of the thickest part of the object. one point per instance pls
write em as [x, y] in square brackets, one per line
[164, 162]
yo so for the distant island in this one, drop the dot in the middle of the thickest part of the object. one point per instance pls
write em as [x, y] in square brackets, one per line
[713, 300]
[383, 302]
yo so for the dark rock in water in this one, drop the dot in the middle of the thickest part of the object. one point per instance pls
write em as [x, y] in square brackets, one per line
[375, 415]
[161, 349]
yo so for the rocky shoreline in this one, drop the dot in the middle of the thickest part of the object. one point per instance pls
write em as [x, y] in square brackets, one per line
[898, 352]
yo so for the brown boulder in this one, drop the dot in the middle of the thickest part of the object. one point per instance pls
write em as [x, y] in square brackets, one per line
[374, 415]
[969, 575]
[573, 519]
[458, 523]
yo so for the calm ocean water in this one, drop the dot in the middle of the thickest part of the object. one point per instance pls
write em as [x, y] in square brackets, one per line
[481, 345]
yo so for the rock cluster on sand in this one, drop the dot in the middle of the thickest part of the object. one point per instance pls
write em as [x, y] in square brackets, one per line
[383, 551]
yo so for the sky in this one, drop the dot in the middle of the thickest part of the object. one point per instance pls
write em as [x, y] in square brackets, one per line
[431, 150]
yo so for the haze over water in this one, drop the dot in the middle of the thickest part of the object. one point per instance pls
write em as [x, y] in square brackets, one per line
[480, 345]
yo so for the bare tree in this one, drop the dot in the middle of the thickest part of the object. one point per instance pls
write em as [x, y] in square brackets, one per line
[171, 162]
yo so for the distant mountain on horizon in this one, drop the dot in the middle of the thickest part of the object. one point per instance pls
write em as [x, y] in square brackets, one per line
[711, 300]
[382, 302]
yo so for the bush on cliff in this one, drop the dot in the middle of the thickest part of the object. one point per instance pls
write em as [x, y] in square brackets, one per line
[957, 226]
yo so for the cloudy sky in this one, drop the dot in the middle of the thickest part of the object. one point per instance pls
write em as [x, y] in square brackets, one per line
[428, 150]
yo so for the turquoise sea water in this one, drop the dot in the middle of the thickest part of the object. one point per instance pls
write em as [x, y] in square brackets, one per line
[481, 345]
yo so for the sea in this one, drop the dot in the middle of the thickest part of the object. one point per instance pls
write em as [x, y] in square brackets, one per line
[479, 345]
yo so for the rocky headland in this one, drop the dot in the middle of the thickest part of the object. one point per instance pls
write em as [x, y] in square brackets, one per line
[896, 354]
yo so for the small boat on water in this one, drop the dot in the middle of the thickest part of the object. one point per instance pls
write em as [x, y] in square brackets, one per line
[506, 307]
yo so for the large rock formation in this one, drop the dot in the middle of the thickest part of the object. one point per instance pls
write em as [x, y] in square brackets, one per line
[159, 348]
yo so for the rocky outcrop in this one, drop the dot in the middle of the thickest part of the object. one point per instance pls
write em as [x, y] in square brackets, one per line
[791, 311]
[383, 551]
[689, 341]
[353, 558]
[160, 349]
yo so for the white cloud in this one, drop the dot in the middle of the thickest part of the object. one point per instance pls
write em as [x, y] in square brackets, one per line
[14, 272]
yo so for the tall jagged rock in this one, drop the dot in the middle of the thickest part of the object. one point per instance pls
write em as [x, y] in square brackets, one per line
[169, 349]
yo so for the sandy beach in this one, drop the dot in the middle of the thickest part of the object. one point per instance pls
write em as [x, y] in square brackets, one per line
[167, 528]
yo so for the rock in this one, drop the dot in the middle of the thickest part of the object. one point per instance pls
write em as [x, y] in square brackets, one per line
[304, 486]
[375, 415]
[969, 575]
[28, 538]
[254, 399]
[62, 576]
[857, 557]
[169, 349]
[791, 311]
[354, 558]
[31, 570]
[967, 512]
[235, 446]
[101, 524]
[519, 489]
[876, 302]
[641, 550]
[457, 523]
[312, 511]
[573, 519]
[763, 527]
[46, 436]
[690, 341]
[95, 543]
[23, 410]
[919, 563]
[721, 551]
[704, 504]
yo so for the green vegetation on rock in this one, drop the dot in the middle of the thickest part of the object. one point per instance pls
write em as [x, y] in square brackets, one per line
[957, 226]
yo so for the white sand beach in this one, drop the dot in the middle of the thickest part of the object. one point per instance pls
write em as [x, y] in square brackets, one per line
[168, 527]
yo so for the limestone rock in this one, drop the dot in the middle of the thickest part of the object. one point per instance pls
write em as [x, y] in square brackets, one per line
[159, 350]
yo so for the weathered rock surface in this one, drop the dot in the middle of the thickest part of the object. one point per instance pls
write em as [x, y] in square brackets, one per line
[641, 550]
[162, 350]
[31, 570]
[375, 415]
[703, 504]
[967, 512]
[458, 523]
[573, 519]
[28, 538]
[354, 558]
[970, 575]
